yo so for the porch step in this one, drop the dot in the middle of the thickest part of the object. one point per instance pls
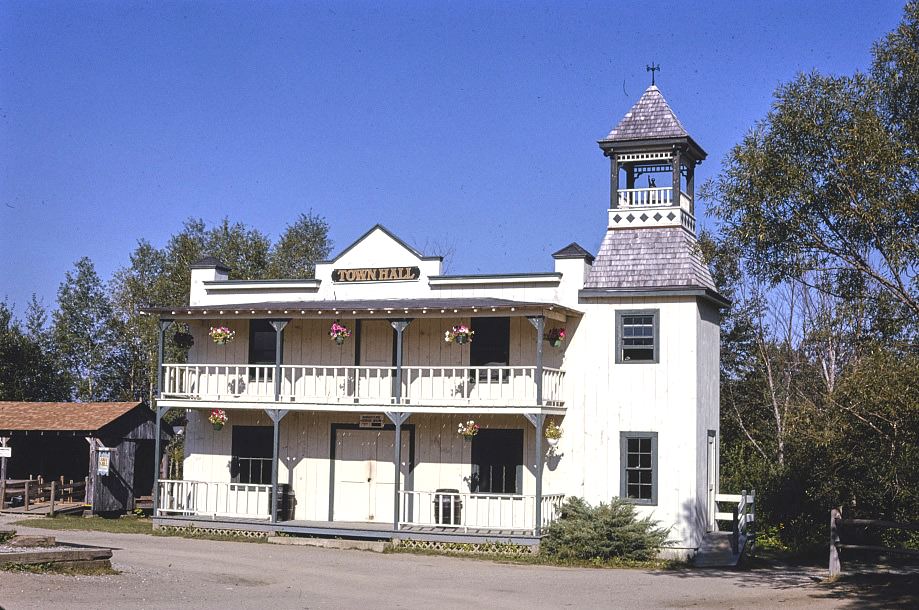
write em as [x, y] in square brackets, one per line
[716, 552]
[377, 546]
[31, 541]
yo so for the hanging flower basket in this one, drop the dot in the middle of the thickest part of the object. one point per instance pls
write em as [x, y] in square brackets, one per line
[553, 434]
[218, 418]
[468, 429]
[221, 334]
[555, 336]
[459, 334]
[183, 340]
[339, 332]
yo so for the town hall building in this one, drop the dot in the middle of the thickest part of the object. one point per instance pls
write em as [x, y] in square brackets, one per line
[386, 399]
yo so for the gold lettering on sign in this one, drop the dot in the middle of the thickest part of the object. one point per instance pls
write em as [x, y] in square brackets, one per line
[376, 274]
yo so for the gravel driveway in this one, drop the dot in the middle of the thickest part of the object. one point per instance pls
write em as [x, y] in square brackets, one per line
[160, 572]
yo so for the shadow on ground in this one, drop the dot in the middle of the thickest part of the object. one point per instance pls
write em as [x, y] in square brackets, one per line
[865, 586]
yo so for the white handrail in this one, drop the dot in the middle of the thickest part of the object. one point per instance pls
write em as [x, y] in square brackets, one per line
[421, 385]
[478, 511]
[213, 499]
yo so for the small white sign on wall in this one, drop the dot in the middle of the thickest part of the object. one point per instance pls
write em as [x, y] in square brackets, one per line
[103, 461]
[371, 421]
[6, 452]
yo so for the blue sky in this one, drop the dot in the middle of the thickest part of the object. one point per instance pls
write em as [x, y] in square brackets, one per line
[470, 126]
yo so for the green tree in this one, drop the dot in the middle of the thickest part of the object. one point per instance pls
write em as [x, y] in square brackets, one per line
[84, 333]
[303, 243]
[827, 182]
[27, 370]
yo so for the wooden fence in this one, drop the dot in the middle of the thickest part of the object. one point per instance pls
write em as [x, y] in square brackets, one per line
[24, 495]
[839, 527]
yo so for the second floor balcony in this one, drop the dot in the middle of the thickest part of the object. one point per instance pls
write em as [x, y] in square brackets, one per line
[397, 359]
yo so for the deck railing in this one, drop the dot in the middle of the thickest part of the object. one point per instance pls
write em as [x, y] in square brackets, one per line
[476, 511]
[651, 197]
[421, 385]
[211, 499]
[742, 518]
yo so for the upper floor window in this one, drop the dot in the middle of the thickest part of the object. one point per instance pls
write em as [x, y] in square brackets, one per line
[637, 336]
[491, 346]
[638, 470]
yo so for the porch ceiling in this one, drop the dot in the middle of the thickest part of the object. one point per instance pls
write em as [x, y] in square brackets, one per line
[369, 308]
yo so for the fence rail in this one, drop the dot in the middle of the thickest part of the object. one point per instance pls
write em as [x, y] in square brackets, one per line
[28, 494]
[742, 518]
[838, 526]
[421, 385]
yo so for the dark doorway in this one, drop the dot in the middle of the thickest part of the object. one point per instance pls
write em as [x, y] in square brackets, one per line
[143, 468]
[491, 344]
[497, 462]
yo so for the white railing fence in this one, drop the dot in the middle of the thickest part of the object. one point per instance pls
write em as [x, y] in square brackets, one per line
[202, 498]
[651, 197]
[742, 517]
[421, 385]
[477, 511]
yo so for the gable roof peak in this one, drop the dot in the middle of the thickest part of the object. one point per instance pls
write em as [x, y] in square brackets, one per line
[650, 118]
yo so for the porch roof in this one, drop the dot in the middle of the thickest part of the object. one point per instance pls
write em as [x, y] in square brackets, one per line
[384, 308]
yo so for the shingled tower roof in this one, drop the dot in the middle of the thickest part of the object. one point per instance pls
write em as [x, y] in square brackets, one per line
[650, 118]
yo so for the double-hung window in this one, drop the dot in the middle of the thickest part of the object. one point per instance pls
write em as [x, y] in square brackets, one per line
[638, 474]
[252, 453]
[637, 336]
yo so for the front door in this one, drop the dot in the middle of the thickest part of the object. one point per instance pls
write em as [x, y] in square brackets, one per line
[374, 381]
[711, 462]
[364, 474]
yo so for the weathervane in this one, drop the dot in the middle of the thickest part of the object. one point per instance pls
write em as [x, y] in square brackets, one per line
[652, 69]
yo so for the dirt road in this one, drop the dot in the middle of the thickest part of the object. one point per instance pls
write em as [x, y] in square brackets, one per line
[159, 572]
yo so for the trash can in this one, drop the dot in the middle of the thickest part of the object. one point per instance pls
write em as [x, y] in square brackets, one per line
[286, 502]
[448, 507]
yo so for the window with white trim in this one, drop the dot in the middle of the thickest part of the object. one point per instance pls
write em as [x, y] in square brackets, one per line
[638, 475]
[637, 336]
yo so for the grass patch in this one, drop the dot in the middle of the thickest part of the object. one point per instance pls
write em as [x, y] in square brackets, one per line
[124, 525]
[53, 568]
[128, 524]
[547, 560]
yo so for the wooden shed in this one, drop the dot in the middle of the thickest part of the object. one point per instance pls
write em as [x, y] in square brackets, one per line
[110, 445]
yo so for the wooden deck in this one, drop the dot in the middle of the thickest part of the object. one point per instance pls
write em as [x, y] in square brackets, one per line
[352, 530]
[43, 509]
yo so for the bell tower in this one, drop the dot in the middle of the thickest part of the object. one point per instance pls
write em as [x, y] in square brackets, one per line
[652, 167]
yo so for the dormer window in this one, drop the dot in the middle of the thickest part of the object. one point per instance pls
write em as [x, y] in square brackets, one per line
[637, 336]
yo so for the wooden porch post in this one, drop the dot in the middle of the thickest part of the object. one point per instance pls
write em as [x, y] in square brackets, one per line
[397, 419]
[278, 326]
[161, 339]
[399, 326]
[276, 416]
[538, 322]
[90, 496]
[3, 441]
[157, 459]
[538, 420]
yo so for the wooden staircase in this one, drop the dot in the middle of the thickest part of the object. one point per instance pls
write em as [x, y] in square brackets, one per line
[724, 549]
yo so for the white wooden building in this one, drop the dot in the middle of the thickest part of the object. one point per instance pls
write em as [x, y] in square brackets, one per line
[633, 385]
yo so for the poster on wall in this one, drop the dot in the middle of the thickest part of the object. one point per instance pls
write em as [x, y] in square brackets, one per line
[103, 461]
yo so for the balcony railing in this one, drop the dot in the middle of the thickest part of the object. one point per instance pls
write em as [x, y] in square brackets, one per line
[421, 385]
[652, 197]
[214, 499]
[476, 511]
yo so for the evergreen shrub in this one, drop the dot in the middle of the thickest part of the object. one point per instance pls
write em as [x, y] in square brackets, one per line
[603, 532]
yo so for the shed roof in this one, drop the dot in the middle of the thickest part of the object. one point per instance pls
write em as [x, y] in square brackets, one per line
[650, 118]
[61, 416]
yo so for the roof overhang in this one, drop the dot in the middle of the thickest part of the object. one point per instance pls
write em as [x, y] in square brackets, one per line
[676, 291]
[380, 308]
